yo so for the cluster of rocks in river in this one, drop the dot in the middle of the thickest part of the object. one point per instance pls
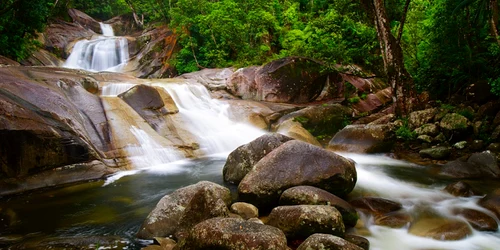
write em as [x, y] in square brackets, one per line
[294, 209]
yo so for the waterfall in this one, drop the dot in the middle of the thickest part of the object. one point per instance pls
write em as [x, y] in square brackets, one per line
[208, 119]
[104, 53]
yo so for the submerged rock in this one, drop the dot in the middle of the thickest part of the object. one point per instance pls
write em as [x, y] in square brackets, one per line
[177, 212]
[478, 220]
[440, 229]
[301, 221]
[492, 202]
[244, 158]
[292, 164]
[461, 189]
[375, 205]
[327, 241]
[308, 195]
[233, 233]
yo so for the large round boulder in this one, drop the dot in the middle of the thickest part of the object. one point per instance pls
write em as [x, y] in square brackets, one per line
[421, 117]
[296, 163]
[176, 213]
[327, 241]
[243, 159]
[363, 139]
[289, 80]
[233, 233]
[301, 221]
[308, 195]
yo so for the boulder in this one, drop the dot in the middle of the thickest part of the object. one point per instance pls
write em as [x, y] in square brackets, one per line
[148, 103]
[479, 165]
[440, 228]
[373, 101]
[59, 36]
[322, 119]
[436, 153]
[358, 241]
[124, 25]
[176, 213]
[245, 210]
[486, 162]
[289, 80]
[243, 159]
[296, 131]
[454, 122]
[85, 20]
[292, 164]
[48, 120]
[233, 233]
[375, 205]
[363, 139]
[327, 241]
[242, 83]
[430, 129]
[478, 220]
[301, 221]
[491, 202]
[308, 195]
[212, 79]
[418, 118]
[461, 189]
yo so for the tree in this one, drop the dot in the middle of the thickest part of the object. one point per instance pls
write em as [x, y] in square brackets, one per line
[399, 79]
[20, 20]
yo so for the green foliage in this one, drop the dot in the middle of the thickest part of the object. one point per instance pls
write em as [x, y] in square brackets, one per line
[19, 22]
[405, 133]
[495, 86]
[354, 99]
[101, 10]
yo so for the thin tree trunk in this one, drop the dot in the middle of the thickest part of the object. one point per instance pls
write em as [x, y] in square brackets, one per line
[403, 19]
[494, 20]
[392, 55]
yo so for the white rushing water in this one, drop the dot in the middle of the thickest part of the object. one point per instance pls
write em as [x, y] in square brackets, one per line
[414, 197]
[104, 53]
[208, 119]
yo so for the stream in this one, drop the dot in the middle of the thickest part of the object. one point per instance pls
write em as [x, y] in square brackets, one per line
[117, 206]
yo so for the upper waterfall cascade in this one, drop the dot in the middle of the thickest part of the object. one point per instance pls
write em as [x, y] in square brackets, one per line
[104, 53]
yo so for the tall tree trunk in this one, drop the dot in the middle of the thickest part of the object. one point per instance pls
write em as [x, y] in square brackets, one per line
[392, 54]
[494, 20]
[403, 19]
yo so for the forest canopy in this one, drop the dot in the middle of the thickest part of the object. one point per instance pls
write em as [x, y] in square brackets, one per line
[447, 44]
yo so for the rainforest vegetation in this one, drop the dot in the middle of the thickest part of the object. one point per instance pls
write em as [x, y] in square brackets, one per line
[440, 46]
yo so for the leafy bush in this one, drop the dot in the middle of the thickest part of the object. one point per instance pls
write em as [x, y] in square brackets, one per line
[404, 132]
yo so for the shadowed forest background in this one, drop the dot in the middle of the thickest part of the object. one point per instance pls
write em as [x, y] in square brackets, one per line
[447, 44]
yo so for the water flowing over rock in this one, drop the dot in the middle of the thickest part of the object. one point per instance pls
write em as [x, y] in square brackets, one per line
[301, 221]
[308, 195]
[478, 220]
[233, 233]
[440, 229]
[176, 213]
[327, 241]
[290, 80]
[292, 164]
[243, 159]
[363, 139]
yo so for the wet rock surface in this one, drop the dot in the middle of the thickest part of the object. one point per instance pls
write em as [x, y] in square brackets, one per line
[308, 195]
[243, 159]
[301, 221]
[362, 139]
[327, 241]
[233, 233]
[176, 213]
[292, 164]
